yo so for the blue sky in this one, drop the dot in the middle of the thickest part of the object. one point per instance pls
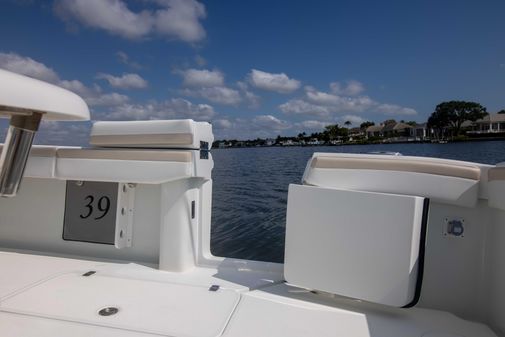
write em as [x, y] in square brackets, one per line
[257, 68]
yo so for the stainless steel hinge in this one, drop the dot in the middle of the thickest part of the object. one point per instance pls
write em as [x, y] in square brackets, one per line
[204, 150]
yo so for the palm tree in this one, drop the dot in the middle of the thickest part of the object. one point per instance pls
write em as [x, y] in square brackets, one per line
[331, 131]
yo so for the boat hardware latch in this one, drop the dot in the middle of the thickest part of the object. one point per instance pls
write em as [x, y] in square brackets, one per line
[454, 227]
[204, 150]
[109, 311]
[214, 287]
[89, 273]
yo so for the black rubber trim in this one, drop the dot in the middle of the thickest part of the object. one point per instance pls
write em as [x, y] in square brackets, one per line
[89, 273]
[420, 259]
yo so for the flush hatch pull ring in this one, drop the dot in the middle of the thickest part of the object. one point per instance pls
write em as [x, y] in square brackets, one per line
[108, 311]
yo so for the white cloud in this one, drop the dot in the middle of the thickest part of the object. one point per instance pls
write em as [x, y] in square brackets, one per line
[208, 84]
[253, 99]
[67, 133]
[270, 122]
[355, 120]
[27, 66]
[110, 100]
[220, 95]
[79, 88]
[301, 107]
[352, 88]
[338, 103]
[94, 95]
[396, 110]
[325, 105]
[113, 16]
[177, 19]
[319, 97]
[311, 125]
[202, 78]
[221, 124]
[181, 19]
[280, 83]
[169, 109]
[118, 106]
[125, 81]
[125, 59]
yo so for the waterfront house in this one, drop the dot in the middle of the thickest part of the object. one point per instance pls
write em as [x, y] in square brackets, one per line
[388, 129]
[356, 133]
[395, 130]
[314, 141]
[492, 123]
[269, 142]
[374, 131]
[419, 131]
[402, 129]
[288, 142]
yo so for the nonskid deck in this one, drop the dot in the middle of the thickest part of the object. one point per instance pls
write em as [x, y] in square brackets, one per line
[50, 296]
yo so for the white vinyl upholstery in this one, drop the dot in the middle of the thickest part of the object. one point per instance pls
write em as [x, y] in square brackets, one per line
[169, 134]
[441, 180]
[357, 244]
[151, 166]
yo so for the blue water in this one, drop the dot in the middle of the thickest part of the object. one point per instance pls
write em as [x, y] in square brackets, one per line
[250, 189]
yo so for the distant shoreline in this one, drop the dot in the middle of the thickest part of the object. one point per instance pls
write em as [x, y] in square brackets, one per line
[467, 140]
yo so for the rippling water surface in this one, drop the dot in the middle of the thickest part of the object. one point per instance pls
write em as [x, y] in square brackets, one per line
[250, 189]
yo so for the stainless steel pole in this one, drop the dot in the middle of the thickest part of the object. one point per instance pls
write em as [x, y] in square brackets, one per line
[16, 150]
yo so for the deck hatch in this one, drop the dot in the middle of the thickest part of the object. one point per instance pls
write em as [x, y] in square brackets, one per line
[162, 308]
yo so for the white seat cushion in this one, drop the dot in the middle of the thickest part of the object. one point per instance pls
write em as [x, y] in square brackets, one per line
[397, 175]
[174, 134]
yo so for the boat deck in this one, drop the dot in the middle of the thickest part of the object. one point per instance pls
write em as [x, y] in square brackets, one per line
[56, 296]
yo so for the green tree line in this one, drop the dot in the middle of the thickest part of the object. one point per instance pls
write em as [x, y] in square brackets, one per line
[448, 117]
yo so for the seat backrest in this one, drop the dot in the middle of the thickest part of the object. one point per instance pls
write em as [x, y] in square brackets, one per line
[440, 180]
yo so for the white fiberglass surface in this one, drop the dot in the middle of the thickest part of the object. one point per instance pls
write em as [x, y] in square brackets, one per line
[144, 306]
[22, 92]
[57, 300]
[372, 255]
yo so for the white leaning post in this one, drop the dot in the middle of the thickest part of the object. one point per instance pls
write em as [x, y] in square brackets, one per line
[26, 101]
